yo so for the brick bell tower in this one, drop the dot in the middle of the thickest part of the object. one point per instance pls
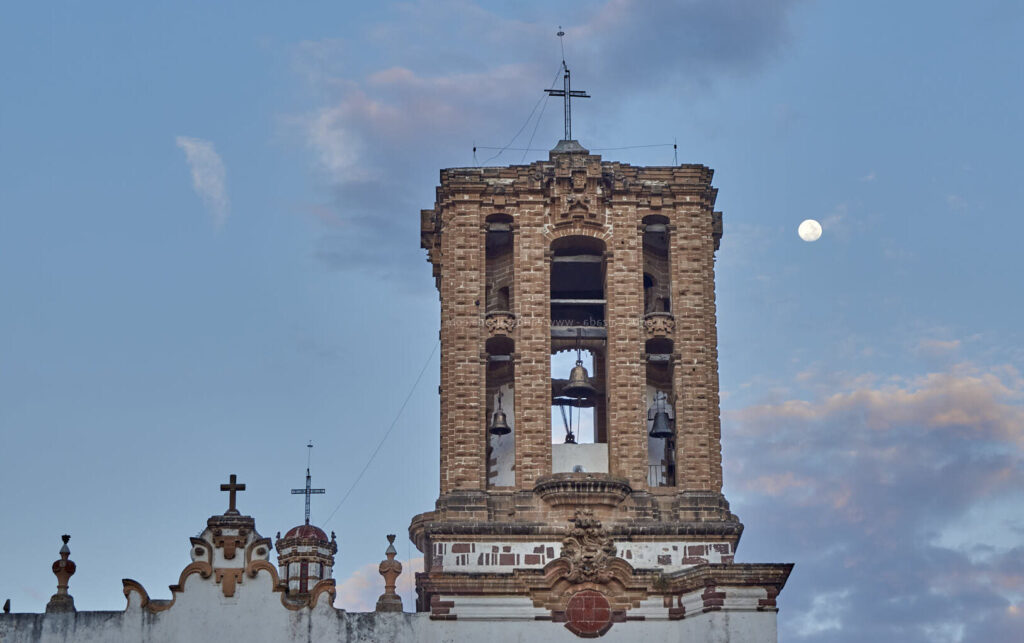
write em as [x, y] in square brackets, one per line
[586, 496]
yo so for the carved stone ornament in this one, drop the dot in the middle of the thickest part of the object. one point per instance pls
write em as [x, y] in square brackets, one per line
[659, 325]
[588, 549]
[500, 323]
[390, 568]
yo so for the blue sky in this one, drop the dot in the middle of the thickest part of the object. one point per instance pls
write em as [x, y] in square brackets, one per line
[209, 255]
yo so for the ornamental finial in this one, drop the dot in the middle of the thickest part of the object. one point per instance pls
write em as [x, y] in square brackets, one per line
[63, 569]
[390, 568]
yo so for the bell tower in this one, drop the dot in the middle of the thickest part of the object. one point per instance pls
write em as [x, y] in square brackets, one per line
[581, 474]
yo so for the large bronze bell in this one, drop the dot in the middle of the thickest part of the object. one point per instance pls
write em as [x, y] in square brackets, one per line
[499, 423]
[579, 385]
[662, 425]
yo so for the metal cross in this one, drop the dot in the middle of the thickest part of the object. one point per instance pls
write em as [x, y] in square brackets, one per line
[308, 492]
[232, 488]
[567, 93]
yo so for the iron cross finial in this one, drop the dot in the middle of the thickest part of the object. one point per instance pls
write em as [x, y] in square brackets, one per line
[308, 491]
[566, 92]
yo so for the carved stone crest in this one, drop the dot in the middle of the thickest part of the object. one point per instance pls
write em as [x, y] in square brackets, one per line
[588, 549]
[500, 323]
[659, 325]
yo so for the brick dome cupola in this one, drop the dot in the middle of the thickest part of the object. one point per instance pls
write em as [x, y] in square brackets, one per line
[305, 556]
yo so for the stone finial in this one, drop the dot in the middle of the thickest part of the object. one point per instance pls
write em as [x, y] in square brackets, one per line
[63, 569]
[390, 568]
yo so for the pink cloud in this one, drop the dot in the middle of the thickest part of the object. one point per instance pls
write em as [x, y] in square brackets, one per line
[361, 589]
[903, 490]
[980, 402]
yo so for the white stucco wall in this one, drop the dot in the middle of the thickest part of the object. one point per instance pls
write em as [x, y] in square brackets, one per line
[201, 613]
[325, 623]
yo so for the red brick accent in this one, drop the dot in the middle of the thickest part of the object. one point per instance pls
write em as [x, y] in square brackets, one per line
[440, 610]
[713, 600]
[692, 550]
[768, 603]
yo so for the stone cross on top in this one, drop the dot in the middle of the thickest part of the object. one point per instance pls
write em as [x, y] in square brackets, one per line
[232, 487]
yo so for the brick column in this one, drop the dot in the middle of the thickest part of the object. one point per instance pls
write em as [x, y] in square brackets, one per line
[691, 382]
[626, 379]
[463, 432]
[711, 403]
[533, 370]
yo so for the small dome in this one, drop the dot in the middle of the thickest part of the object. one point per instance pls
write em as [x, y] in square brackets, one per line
[306, 531]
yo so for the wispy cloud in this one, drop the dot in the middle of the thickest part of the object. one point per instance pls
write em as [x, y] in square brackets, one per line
[377, 135]
[937, 347]
[957, 203]
[897, 497]
[208, 176]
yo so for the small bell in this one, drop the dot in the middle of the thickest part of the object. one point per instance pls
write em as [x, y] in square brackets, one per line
[579, 385]
[662, 425]
[499, 423]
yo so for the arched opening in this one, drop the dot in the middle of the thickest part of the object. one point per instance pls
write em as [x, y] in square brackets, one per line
[657, 273]
[500, 412]
[578, 356]
[661, 422]
[577, 282]
[498, 245]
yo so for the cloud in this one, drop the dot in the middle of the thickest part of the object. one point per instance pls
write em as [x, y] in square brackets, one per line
[208, 176]
[897, 497]
[957, 203]
[378, 133]
[966, 399]
[360, 591]
[824, 615]
[936, 348]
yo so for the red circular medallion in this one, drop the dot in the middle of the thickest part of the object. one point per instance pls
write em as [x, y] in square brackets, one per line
[588, 613]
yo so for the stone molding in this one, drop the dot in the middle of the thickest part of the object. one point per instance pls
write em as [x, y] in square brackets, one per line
[582, 490]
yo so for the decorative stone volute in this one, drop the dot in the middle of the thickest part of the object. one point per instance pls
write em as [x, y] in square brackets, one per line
[63, 569]
[390, 568]
[232, 556]
[230, 543]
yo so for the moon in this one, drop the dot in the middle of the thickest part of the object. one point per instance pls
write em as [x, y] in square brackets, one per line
[809, 230]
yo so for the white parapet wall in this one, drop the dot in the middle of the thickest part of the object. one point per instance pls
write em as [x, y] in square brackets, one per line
[244, 622]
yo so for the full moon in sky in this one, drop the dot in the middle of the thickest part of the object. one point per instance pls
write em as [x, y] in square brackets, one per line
[809, 230]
